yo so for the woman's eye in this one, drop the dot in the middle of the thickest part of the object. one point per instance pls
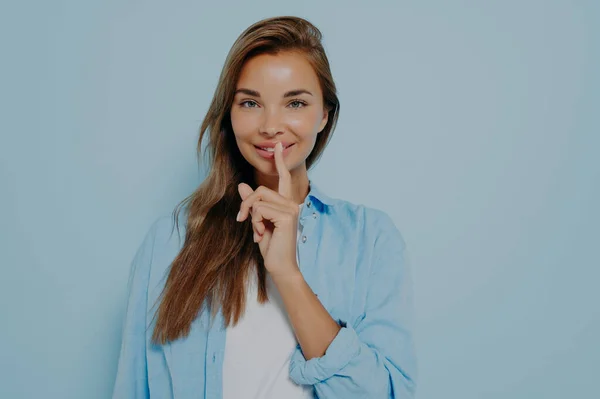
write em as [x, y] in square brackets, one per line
[301, 103]
[247, 101]
[251, 104]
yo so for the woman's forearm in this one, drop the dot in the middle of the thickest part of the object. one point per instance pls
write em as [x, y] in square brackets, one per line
[315, 329]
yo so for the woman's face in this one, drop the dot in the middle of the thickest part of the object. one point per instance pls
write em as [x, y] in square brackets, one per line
[278, 98]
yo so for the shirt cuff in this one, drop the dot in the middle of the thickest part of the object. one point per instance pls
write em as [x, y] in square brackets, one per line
[344, 347]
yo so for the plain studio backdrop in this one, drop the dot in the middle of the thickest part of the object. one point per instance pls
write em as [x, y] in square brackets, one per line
[473, 124]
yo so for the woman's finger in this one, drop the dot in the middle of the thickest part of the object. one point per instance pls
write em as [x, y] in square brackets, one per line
[265, 194]
[285, 178]
[266, 211]
[257, 223]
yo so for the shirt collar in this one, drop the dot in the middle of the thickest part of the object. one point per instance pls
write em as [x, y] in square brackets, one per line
[316, 193]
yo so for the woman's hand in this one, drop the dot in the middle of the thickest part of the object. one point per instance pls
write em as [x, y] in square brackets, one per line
[274, 221]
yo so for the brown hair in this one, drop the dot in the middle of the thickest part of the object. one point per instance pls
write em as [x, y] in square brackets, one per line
[218, 253]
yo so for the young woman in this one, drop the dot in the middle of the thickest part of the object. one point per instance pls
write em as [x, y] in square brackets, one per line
[277, 290]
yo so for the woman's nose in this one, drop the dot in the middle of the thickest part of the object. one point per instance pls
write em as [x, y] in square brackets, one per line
[271, 123]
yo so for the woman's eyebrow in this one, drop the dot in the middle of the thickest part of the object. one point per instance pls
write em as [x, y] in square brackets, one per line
[291, 93]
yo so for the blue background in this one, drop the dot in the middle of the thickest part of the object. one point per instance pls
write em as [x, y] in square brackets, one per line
[474, 124]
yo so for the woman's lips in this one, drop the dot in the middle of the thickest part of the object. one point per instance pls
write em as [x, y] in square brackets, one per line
[271, 155]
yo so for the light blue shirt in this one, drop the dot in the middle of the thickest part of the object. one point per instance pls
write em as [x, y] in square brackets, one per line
[354, 259]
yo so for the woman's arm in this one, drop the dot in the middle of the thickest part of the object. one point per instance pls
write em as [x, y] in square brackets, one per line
[313, 326]
[375, 358]
[132, 379]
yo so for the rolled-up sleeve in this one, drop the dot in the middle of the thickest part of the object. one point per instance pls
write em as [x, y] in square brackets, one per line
[132, 377]
[375, 358]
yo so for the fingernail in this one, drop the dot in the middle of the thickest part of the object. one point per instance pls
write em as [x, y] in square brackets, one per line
[238, 216]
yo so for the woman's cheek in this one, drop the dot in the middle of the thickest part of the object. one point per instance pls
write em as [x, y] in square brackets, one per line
[299, 123]
[243, 124]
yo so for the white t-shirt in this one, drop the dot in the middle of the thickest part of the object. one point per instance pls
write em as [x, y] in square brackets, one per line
[258, 350]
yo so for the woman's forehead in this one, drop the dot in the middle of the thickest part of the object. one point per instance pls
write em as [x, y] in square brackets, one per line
[284, 71]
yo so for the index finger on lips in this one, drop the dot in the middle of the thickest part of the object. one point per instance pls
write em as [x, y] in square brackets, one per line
[285, 178]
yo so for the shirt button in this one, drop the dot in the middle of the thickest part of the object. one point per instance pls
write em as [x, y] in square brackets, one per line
[214, 357]
[314, 215]
[308, 204]
[303, 238]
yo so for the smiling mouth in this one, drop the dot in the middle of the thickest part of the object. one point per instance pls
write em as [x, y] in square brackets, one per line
[272, 149]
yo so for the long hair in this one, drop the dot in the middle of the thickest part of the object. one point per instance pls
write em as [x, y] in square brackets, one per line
[219, 253]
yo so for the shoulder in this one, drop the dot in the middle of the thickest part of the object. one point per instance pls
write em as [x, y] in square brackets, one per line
[158, 233]
[161, 240]
[376, 224]
[374, 237]
[159, 246]
[168, 236]
[165, 229]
